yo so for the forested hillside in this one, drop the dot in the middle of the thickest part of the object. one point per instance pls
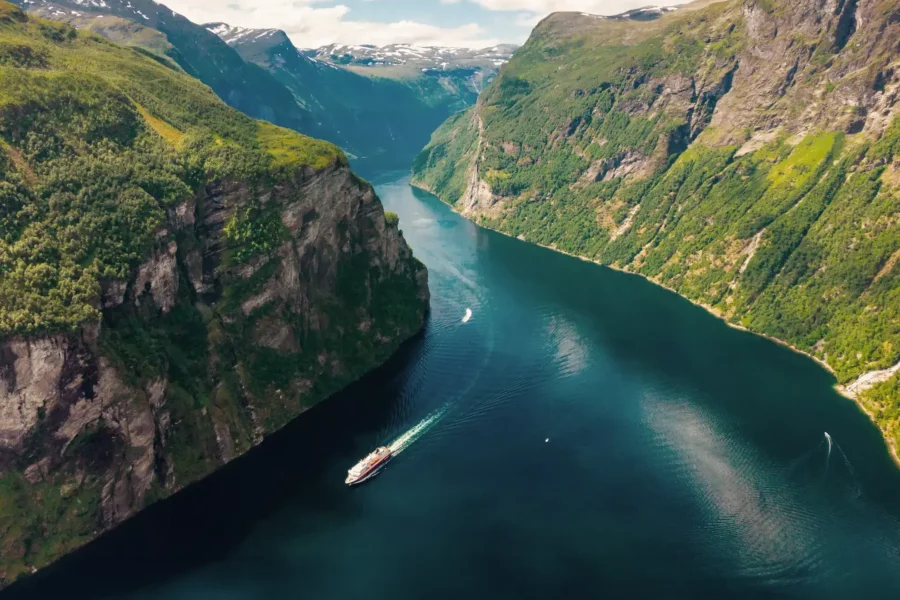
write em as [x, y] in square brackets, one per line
[381, 122]
[177, 280]
[745, 153]
[200, 53]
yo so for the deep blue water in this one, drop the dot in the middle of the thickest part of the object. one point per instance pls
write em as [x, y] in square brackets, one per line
[585, 435]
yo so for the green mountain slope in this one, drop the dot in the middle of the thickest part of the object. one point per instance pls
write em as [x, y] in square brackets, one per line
[382, 122]
[745, 153]
[177, 280]
[200, 53]
[116, 29]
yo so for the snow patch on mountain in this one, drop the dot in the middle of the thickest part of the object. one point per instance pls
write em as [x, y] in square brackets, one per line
[646, 13]
[424, 57]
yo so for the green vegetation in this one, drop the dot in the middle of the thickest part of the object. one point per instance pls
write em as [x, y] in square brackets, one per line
[253, 231]
[327, 357]
[97, 143]
[381, 121]
[883, 403]
[25, 510]
[291, 150]
[115, 29]
[597, 141]
[106, 153]
[166, 131]
[171, 39]
[447, 159]
[380, 115]
[392, 219]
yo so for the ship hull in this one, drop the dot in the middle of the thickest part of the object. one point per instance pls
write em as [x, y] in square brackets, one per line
[370, 474]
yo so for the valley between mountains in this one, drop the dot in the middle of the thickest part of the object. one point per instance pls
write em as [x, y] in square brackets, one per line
[189, 258]
[378, 110]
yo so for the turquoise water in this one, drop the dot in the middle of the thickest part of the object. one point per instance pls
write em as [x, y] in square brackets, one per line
[582, 434]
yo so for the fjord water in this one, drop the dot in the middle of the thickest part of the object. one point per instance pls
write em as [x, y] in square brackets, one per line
[583, 434]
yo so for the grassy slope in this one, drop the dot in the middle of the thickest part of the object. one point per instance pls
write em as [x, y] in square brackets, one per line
[794, 240]
[97, 142]
[115, 29]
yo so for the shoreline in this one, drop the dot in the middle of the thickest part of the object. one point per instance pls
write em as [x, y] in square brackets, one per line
[838, 387]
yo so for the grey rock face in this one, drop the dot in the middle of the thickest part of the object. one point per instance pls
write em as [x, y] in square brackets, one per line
[82, 416]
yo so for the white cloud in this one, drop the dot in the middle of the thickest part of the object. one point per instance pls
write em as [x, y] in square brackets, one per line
[544, 7]
[310, 26]
[529, 20]
[532, 11]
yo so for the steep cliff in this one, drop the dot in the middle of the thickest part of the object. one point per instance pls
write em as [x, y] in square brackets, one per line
[177, 280]
[382, 122]
[744, 153]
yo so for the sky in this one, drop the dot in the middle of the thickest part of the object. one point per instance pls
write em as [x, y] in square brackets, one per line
[466, 23]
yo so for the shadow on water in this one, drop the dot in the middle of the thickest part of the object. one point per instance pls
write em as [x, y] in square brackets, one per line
[206, 522]
[688, 459]
[785, 402]
[778, 398]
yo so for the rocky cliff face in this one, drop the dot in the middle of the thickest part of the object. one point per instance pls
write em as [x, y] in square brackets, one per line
[744, 153]
[784, 80]
[197, 359]
[177, 280]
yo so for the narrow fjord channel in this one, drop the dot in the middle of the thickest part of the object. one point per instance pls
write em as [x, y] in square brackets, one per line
[583, 433]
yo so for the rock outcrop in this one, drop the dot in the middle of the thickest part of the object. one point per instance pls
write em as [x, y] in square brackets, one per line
[177, 281]
[178, 379]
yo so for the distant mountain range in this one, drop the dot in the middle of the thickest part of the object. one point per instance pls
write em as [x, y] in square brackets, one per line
[464, 69]
[379, 104]
[421, 57]
[439, 58]
[379, 109]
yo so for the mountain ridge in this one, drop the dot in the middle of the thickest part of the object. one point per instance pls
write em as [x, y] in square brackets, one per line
[202, 55]
[488, 58]
[272, 80]
[742, 153]
[382, 121]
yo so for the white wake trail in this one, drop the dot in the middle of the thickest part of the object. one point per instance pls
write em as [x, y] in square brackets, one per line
[406, 440]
